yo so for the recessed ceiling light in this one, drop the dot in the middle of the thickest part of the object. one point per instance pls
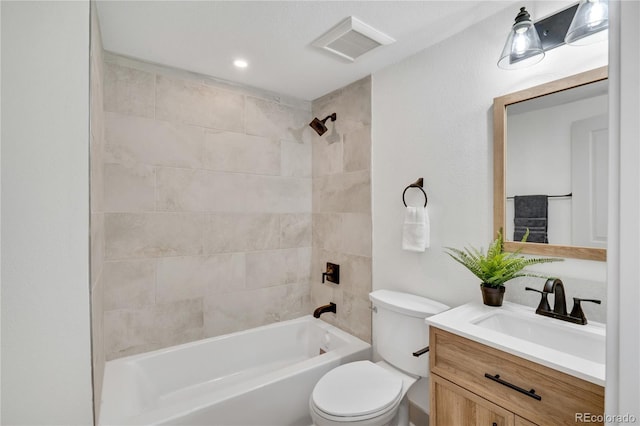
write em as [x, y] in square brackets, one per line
[240, 63]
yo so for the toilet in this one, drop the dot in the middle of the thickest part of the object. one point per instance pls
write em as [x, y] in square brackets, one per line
[364, 393]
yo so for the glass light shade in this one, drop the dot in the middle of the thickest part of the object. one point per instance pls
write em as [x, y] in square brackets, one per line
[589, 23]
[523, 47]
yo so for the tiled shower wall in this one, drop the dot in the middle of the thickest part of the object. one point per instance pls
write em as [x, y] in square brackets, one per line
[207, 200]
[97, 209]
[342, 206]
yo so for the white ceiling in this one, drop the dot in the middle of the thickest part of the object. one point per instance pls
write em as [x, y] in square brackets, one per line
[276, 36]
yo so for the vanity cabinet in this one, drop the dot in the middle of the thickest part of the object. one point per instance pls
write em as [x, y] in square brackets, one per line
[523, 422]
[474, 384]
[453, 405]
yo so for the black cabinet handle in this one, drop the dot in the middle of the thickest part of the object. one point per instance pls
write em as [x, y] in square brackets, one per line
[531, 393]
[421, 352]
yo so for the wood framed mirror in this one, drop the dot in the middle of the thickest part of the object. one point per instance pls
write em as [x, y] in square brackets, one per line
[524, 167]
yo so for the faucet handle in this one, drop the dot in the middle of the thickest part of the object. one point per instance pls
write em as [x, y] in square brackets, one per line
[332, 274]
[577, 312]
[544, 303]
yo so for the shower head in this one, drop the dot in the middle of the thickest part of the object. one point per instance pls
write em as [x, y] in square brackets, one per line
[319, 126]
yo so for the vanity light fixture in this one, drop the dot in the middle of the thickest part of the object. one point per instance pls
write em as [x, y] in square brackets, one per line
[589, 23]
[523, 47]
[581, 24]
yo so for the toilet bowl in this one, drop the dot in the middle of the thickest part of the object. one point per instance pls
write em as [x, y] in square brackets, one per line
[361, 393]
[364, 393]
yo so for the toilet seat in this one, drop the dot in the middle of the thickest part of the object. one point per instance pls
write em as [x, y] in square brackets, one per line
[356, 391]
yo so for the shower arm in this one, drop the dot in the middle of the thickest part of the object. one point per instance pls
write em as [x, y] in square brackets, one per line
[330, 116]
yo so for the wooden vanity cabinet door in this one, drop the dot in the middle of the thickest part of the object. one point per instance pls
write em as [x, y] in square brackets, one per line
[467, 363]
[523, 422]
[452, 405]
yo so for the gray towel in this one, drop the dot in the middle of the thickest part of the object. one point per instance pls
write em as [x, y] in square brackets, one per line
[530, 222]
[531, 212]
[534, 236]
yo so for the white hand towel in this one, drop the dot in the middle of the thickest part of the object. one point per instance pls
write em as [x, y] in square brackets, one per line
[416, 229]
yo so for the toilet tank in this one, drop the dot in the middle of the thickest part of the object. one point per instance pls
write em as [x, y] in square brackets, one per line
[399, 328]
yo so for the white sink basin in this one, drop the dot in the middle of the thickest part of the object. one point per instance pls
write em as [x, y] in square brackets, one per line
[578, 350]
[564, 337]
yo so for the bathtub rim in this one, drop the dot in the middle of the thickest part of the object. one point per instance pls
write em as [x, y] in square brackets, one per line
[166, 414]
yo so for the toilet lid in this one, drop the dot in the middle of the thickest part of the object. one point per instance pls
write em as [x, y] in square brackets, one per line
[356, 389]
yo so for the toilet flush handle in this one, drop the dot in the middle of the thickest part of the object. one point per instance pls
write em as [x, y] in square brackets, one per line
[421, 351]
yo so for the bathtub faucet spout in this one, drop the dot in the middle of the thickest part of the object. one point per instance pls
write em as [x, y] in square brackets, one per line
[331, 307]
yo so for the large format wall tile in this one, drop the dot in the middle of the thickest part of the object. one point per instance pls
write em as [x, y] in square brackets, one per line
[178, 316]
[296, 159]
[356, 315]
[96, 224]
[326, 231]
[97, 245]
[357, 150]
[350, 103]
[272, 268]
[356, 233]
[295, 230]
[129, 284]
[342, 207]
[348, 233]
[208, 191]
[304, 264]
[131, 331]
[355, 271]
[241, 232]
[192, 277]
[237, 152]
[132, 139]
[129, 188]
[135, 235]
[192, 102]
[128, 91]
[229, 312]
[126, 329]
[97, 339]
[277, 121]
[327, 158]
[96, 156]
[344, 192]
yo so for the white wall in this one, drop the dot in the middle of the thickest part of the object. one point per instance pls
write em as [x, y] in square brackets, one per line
[432, 118]
[0, 210]
[623, 331]
[46, 360]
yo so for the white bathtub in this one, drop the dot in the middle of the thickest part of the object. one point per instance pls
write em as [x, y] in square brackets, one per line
[261, 377]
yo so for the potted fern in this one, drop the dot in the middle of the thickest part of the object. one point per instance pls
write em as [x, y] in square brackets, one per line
[496, 267]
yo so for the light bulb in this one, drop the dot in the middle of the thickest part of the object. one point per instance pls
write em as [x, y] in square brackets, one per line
[240, 63]
[596, 13]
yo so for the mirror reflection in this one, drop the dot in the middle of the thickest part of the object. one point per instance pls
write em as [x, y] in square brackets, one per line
[556, 167]
[550, 167]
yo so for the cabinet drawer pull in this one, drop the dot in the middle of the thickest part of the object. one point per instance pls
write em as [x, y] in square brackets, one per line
[531, 393]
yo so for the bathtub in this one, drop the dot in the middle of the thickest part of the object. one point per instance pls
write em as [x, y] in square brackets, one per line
[263, 376]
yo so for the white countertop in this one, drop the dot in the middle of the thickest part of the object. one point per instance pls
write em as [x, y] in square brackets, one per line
[587, 363]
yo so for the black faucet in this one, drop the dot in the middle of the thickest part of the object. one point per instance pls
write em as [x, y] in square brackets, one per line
[555, 286]
[331, 307]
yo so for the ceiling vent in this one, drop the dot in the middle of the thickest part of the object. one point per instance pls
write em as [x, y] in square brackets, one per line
[351, 39]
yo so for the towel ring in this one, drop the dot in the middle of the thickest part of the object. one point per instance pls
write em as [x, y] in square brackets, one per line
[417, 184]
